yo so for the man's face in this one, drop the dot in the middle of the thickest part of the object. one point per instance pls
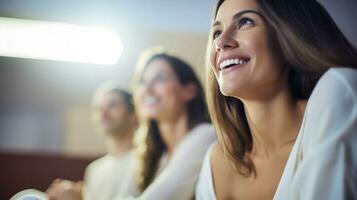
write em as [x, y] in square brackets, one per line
[111, 113]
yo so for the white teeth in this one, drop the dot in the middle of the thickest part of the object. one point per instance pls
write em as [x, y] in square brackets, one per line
[228, 62]
[150, 100]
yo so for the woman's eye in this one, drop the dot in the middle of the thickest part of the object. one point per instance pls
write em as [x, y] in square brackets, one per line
[245, 22]
[161, 78]
[216, 34]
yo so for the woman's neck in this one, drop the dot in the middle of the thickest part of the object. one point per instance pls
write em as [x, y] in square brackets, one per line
[274, 123]
[173, 131]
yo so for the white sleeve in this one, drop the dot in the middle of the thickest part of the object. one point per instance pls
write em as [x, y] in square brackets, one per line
[87, 192]
[129, 189]
[204, 188]
[328, 163]
[177, 181]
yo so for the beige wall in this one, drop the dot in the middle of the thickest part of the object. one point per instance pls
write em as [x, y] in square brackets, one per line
[80, 136]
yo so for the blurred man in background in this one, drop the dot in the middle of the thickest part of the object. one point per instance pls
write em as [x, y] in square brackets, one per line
[114, 115]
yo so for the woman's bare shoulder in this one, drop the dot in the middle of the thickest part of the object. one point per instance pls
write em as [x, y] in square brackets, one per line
[220, 165]
[216, 154]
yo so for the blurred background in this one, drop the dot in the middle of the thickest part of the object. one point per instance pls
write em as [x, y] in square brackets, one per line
[45, 104]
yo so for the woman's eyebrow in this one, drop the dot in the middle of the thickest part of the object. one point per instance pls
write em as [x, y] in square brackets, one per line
[238, 15]
[216, 23]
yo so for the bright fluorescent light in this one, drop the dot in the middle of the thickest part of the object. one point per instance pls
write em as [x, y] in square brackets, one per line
[58, 41]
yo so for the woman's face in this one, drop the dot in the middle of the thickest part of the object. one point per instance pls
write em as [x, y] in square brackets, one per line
[160, 95]
[244, 61]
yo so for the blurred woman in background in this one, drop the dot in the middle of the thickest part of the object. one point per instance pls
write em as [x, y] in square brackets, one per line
[174, 131]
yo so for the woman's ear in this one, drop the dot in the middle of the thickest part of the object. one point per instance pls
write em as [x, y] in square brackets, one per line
[190, 91]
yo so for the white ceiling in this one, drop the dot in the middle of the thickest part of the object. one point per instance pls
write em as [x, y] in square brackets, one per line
[163, 15]
[183, 15]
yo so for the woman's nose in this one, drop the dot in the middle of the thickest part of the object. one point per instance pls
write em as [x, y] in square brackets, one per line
[147, 87]
[226, 41]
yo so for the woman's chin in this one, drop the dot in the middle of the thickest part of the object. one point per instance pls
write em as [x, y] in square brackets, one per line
[228, 91]
[233, 89]
[150, 116]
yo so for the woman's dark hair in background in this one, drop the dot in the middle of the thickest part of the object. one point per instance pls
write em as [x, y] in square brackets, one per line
[309, 41]
[152, 146]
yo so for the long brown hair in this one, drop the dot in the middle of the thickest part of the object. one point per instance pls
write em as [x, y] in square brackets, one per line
[310, 43]
[150, 145]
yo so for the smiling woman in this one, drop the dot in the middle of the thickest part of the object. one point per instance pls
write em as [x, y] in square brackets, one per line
[174, 132]
[58, 41]
[281, 92]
